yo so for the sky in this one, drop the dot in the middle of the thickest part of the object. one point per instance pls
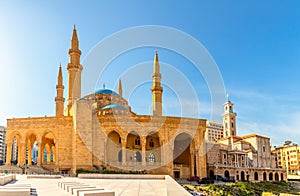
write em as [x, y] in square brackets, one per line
[254, 44]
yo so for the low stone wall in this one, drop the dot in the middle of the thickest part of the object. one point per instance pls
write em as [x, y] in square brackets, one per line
[43, 176]
[121, 176]
[7, 178]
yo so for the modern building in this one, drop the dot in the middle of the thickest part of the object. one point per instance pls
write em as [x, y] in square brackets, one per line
[246, 157]
[2, 144]
[288, 156]
[214, 131]
[101, 130]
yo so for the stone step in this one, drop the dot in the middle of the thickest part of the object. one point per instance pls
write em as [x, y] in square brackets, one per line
[97, 193]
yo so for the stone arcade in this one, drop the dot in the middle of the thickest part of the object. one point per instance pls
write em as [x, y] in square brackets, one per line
[101, 129]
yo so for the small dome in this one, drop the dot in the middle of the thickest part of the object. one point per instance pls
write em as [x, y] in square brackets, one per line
[106, 92]
[112, 106]
[82, 98]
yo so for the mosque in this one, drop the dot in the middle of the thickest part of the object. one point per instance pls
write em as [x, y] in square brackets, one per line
[101, 130]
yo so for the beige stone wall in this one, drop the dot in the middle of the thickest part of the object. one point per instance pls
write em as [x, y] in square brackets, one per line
[60, 127]
[81, 140]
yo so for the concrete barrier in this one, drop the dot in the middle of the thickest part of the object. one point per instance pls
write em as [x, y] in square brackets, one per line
[81, 188]
[14, 191]
[97, 193]
[122, 176]
[77, 191]
[65, 186]
[7, 178]
[18, 185]
[44, 176]
[69, 188]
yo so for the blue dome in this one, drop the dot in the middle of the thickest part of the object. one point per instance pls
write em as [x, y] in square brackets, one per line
[82, 98]
[114, 107]
[106, 92]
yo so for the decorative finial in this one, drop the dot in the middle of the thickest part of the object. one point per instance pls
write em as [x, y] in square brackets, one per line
[74, 26]
[103, 85]
[227, 97]
[60, 65]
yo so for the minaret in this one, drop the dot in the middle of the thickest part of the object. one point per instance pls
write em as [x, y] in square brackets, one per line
[229, 119]
[120, 88]
[59, 99]
[156, 88]
[74, 72]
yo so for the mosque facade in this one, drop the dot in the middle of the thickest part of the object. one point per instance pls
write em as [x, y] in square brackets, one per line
[101, 130]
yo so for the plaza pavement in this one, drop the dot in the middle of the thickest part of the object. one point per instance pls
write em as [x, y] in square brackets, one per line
[121, 187]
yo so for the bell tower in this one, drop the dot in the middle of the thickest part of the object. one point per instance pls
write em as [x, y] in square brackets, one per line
[229, 119]
[156, 88]
[74, 71]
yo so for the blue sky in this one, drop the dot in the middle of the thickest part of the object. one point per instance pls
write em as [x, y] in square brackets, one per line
[255, 44]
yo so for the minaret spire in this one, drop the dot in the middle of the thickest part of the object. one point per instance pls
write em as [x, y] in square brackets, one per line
[120, 88]
[74, 40]
[156, 88]
[156, 64]
[59, 99]
[74, 71]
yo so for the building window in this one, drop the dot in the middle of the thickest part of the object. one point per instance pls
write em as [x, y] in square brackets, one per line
[120, 140]
[264, 149]
[137, 141]
[151, 144]
[224, 156]
[151, 157]
[232, 125]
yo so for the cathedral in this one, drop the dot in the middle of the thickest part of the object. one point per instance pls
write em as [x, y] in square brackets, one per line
[101, 130]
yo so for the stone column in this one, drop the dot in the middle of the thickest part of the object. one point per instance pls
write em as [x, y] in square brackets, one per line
[29, 155]
[53, 153]
[8, 153]
[48, 156]
[23, 153]
[192, 165]
[123, 151]
[143, 143]
[161, 150]
[19, 154]
[40, 154]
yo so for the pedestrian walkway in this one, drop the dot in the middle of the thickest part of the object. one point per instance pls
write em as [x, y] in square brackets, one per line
[121, 187]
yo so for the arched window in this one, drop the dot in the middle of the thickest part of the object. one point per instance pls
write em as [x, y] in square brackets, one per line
[138, 157]
[120, 156]
[151, 157]
[281, 177]
[242, 175]
[226, 174]
[255, 176]
[151, 144]
[137, 141]
[271, 176]
[265, 176]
